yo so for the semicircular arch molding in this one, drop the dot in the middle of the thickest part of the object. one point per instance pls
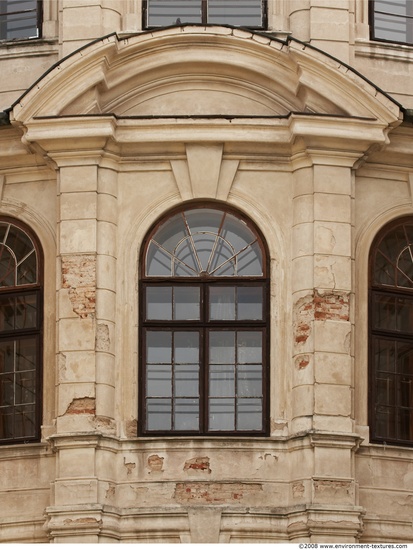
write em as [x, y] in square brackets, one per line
[202, 71]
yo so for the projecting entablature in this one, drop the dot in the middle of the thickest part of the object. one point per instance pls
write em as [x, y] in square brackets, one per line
[202, 71]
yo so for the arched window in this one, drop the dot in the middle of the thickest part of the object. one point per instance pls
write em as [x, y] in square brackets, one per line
[391, 334]
[204, 325]
[20, 334]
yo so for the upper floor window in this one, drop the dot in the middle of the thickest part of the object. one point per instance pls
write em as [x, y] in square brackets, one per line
[20, 19]
[391, 334]
[240, 13]
[391, 20]
[204, 326]
[20, 334]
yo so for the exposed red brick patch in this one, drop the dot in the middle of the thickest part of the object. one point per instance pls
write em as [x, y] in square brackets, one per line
[216, 493]
[329, 306]
[82, 405]
[79, 276]
[200, 463]
[302, 361]
[332, 306]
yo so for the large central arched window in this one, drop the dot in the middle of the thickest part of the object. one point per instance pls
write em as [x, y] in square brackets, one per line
[391, 334]
[204, 330]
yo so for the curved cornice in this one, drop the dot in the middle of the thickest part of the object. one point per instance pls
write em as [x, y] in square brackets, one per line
[202, 71]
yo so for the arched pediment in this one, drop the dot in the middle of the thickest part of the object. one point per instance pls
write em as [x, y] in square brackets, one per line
[202, 71]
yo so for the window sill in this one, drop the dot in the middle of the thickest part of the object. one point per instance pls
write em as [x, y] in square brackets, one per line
[24, 450]
[28, 47]
[383, 50]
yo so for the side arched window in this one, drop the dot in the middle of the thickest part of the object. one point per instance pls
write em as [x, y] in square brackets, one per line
[391, 334]
[20, 334]
[204, 325]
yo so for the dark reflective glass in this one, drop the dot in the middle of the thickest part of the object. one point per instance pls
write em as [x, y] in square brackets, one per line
[186, 303]
[24, 421]
[249, 414]
[7, 267]
[186, 415]
[222, 381]
[243, 13]
[159, 381]
[221, 414]
[18, 19]
[159, 302]
[162, 13]
[159, 417]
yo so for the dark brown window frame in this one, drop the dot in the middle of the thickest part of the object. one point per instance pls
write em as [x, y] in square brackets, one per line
[204, 16]
[204, 327]
[396, 337]
[35, 332]
[372, 24]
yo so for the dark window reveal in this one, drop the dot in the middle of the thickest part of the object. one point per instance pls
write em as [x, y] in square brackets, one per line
[240, 13]
[20, 19]
[204, 329]
[20, 335]
[391, 20]
[391, 334]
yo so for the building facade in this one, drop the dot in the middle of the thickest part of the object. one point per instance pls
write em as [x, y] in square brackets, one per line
[206, 265]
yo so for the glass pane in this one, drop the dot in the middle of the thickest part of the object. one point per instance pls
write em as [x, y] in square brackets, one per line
[250, 262]
[162, 13]
[159, 381]
[221, 347]
[159, 303]
[250, 302]
[249, 347]
[7, 356]
[19, 242]
[405, 424]
[6, 422]
[26, 354]
[186, 347]
[186, 302]
[25, 387]
[187, 380]
[186, 263]
[249, 414]
[187, 414]
[158, 347]
[24, 421]
[7, 267]
[249, 381]
[385, 422]
[18, 25]
[222, 414]
[159, 414]
[244, 13]
[158, 262]
[405, 358]
[222, 303]
[405, 391]
[384, 355]
[204, 241]
[27, 270]
[7, 313]
[222, 381]
[18, 312]
[405, 269]
[385, 394]
[6, 389]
